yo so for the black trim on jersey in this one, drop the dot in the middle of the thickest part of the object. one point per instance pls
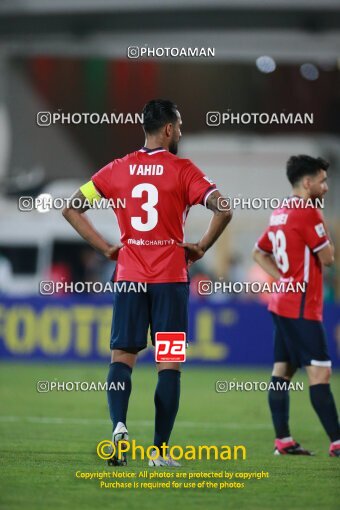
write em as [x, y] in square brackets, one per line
[146, 149]
[323, 244]
[303, 302]
[114, 273]
[210, 189]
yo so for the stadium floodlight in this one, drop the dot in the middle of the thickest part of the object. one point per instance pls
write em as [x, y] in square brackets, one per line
[265, 64]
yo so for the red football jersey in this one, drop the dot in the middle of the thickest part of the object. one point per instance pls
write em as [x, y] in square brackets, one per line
[294, 236]
[158, 189]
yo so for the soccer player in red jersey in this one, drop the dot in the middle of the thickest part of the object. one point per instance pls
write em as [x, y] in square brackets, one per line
[158, 189]
[294, 248]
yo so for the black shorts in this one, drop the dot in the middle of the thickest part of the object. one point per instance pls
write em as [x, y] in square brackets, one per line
[163, 307]
[300, 342]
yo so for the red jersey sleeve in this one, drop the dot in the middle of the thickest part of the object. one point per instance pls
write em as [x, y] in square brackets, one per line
[197, 187]
[313, 229]
[264, 243]
[103, 180]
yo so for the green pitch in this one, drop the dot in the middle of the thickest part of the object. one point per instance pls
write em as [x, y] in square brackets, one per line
[47, 437]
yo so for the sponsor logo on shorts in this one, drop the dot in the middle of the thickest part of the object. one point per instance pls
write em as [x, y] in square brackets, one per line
[170, 346]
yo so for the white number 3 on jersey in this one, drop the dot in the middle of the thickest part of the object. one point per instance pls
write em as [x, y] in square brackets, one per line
[148, 206]
[279, 244]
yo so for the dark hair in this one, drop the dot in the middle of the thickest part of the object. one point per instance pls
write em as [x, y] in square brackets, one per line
[157, 113]
[300, 166]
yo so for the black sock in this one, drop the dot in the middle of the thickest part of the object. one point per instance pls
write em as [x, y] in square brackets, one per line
[118, 398]
[279, 406]
[167, 403]
[324, 406]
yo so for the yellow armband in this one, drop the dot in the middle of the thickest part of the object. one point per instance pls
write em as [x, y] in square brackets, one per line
[89, 191]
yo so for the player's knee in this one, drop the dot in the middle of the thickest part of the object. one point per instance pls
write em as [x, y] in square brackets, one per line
[129, 358]
[320, 375]
[327, 375]
[283, 370]
[168, 366]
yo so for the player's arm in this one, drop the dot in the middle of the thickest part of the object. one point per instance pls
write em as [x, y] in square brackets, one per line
[217, 224]
[316, 235]
[267, 262]
[74, 214]
[326, 254]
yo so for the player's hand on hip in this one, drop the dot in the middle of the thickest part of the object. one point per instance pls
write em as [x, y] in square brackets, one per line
[193, 252]
[112, 252]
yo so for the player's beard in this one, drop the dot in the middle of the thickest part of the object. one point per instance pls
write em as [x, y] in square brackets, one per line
[315, 198]
[173, 147]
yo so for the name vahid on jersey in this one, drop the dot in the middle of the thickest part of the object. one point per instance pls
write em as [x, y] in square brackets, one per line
[146, 169]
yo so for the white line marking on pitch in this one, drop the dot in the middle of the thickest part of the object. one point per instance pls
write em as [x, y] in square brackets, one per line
[92, 421]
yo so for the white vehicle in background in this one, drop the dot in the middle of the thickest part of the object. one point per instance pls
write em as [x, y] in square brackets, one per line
[32, 241]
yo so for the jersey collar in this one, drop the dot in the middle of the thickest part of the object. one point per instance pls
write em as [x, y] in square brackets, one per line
[150, 152]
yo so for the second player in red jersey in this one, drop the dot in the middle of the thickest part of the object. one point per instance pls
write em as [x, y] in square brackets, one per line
[296, 233]
[294, 248]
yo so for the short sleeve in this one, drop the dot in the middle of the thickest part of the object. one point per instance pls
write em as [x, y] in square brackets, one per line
[197, 186]
[264, 243]
[314, 231]
[103, 180]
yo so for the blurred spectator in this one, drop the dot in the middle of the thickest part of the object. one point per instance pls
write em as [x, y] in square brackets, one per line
[5, 275]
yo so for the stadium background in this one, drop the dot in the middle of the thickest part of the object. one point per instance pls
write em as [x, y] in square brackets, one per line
[70, 56]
